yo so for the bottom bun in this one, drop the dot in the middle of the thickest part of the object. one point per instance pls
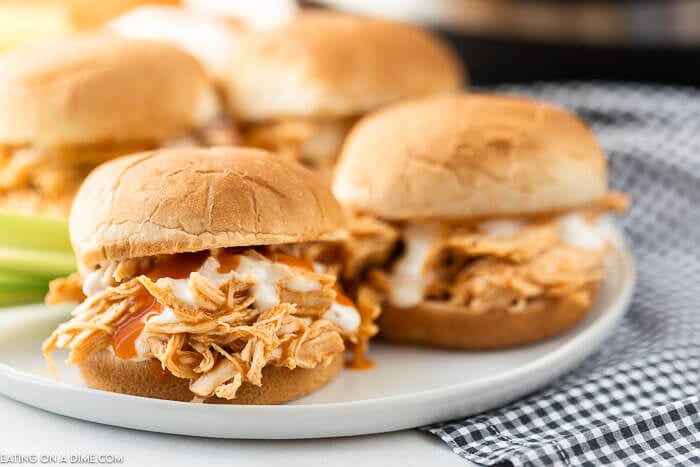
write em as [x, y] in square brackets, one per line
[147, 379]
[441, 325]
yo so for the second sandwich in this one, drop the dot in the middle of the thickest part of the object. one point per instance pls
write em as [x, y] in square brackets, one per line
[69, 104]
[479, 219]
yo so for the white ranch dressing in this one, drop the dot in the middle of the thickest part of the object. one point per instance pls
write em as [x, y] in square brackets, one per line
[268, 275]
[143, 350]
[98, 280]
[344, 316]
[576, 231]
[265, 276]
[182, 288]
[408, 276]
[500, 228]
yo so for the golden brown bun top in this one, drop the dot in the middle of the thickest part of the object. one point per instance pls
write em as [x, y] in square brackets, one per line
[325, 64]
[180, 200]
[469, 156]
[97, 89]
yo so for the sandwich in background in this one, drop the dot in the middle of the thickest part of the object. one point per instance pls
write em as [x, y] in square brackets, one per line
[480, 219]
[260, 14]
[194, 282]
[209, 38]
[298, 88]
[68, 105]
[90, 14]
[208, 30]
[24, 21]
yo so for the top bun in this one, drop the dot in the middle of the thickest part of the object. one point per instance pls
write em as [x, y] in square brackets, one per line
[183, 200]
[97, 89]
[469, 156]
[324, 64]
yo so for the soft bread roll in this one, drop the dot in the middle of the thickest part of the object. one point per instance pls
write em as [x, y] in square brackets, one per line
[325, 64]
[441, 325]
[206, 37]
[469, 156]
[98, 89]
[147, 379]
[180, 200]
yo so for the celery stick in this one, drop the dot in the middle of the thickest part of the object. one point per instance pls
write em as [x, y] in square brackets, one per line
[39, 263]
[6, 286]
[33, 232]
[8, 278]
[20, 297]
[26, 287]
[16, 288]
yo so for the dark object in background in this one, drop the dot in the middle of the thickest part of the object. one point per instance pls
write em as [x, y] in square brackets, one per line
[499, 60]
[525, 40]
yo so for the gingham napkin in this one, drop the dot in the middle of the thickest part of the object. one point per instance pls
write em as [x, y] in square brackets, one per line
[635, 401]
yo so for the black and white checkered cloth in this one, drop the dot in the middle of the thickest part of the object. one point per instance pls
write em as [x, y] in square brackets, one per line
[636, 401]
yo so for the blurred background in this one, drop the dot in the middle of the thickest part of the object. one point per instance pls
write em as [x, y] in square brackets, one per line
[501, 40]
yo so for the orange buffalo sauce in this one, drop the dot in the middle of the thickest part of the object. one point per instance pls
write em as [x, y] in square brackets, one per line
[229, 259]
[144, 306]
[359, 351]
[341, 298]
[177, 266]
[289, 260]
[359, 360]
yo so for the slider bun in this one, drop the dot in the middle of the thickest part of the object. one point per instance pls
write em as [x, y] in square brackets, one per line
[181, 200]
[97, 89]
[325, 64]
[148, 379]
[468, 156]
[441, 325]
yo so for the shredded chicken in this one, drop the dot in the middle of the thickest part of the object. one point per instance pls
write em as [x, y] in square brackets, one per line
[219, 336]
[66, 290]
[315, 143]
[45, 180]
[479, 270]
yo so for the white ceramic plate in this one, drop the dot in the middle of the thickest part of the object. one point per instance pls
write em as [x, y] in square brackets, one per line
[410, 386]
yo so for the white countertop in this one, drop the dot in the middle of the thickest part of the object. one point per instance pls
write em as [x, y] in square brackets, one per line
[25, 430]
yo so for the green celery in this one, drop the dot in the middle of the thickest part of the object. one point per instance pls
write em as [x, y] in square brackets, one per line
[12, 275]
[34, 232]
[37, 263]
[21, 296]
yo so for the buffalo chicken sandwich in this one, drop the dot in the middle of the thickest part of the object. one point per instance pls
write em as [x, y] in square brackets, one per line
[194, 284]
[70, 104]
[297, 88]
[208, 38]
[479, 219]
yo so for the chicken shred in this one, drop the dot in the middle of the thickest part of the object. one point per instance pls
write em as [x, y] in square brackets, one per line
[315, 143]
[45, 180]
[219, 341]
[479, 271]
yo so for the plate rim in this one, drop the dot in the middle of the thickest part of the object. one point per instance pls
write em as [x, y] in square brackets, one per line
[600, 328]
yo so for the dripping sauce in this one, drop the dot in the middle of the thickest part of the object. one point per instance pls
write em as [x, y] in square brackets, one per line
[359, 360]
[144, 307]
